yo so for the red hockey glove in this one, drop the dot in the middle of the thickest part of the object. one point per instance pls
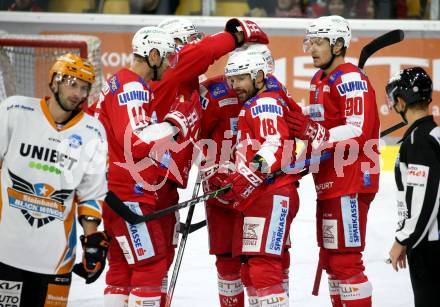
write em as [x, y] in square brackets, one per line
[185, 115]
[302, 127]
[95, 248]
[252, 32]
[243, 182]
[214, 176]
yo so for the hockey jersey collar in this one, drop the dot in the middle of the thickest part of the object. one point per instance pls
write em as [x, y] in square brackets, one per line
[416, 124]
[71, 123]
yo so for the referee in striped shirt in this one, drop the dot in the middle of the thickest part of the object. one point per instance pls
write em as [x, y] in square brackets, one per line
[417, 175]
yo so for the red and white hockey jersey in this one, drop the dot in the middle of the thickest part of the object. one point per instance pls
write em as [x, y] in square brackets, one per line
[125, 109]
[49, 177]
[345, 103]
[183, 80]
[220, 114]
[263, 131]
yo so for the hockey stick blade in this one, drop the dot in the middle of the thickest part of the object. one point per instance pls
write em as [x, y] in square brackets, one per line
[133, 218]
[378, 43]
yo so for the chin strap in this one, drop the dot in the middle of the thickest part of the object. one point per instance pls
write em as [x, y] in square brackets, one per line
[154, 68]
[325, 66]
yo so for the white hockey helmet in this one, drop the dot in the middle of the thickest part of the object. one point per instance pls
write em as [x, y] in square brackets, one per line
[265, 52]
[181, 28]
[149, 38]
[330, 27]
[244, 62]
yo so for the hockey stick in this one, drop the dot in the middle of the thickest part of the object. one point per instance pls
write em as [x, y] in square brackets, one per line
[393, 128]
[387, 39]
[182, 244]
[376, 44]
[131, 217]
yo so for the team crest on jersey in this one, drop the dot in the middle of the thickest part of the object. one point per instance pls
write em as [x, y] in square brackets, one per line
[218, 90]
[266, 108]
[75, 141]
[114, 84]
[39, 203]
[351, 86]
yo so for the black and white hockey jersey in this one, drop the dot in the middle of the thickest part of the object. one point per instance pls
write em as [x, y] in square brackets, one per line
[417, 175]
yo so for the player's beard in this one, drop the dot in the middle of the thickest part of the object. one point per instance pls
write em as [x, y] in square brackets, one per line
[245, 95]
[68, 104]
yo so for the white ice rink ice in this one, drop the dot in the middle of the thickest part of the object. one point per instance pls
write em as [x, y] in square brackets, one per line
[197, 282]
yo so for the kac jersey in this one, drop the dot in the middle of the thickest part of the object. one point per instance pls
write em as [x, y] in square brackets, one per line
[263, 131]
[220, 114]
[183, 81]
[50, 175]
[345, 103]
[124, 108]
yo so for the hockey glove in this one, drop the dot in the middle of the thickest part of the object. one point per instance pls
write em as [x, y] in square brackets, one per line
[303, 128]
[243, 182]
[95, 248]
[185, 115]
[251, 31]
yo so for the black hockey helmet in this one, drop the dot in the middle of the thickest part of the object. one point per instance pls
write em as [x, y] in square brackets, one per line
[413, 85]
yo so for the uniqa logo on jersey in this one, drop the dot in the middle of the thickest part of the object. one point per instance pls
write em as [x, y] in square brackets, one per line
[136, 95]
[359, 85]
[266, 108]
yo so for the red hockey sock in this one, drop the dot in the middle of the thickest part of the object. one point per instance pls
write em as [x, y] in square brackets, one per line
[273, 296]
[230, 287]
[333, 286]
[115, 296]
[163, 291]
[230, 291]
[252, 297]
[356, 291]
[144, 296]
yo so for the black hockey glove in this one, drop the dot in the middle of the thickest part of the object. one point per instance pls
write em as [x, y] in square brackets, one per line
[95, 248]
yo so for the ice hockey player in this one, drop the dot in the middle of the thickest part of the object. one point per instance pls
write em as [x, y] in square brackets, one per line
[195, 56]
[341, 117]
[219, 123]
[53, 166]
[265, 209]
[137, 255]
[417, 173]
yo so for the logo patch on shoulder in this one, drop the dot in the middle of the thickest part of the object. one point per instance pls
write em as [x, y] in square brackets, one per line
[114, 84]
[218, 90]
